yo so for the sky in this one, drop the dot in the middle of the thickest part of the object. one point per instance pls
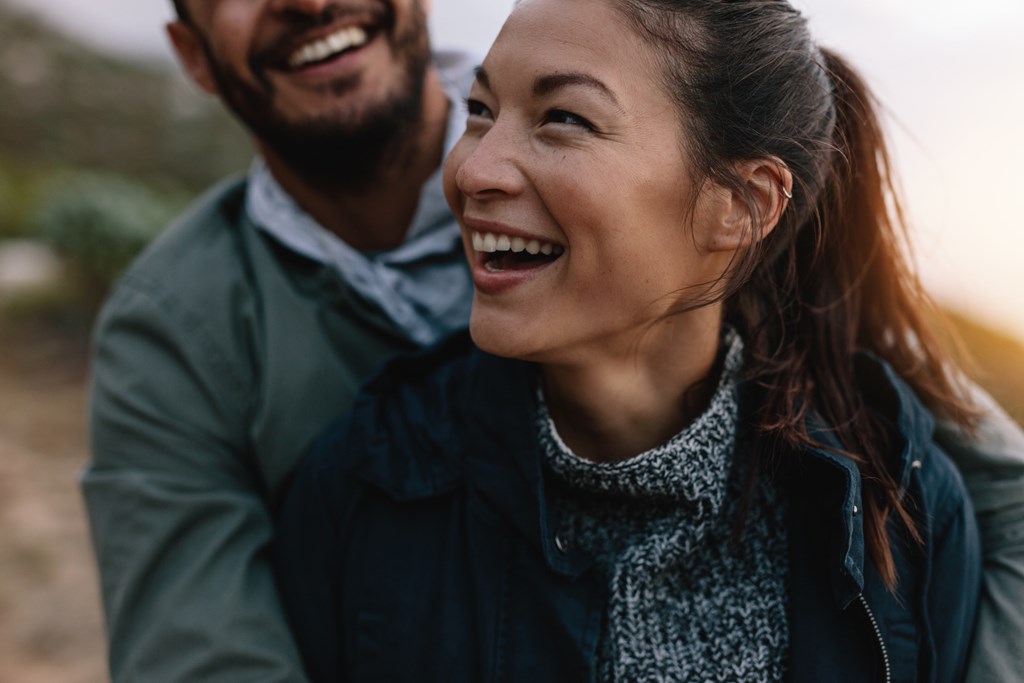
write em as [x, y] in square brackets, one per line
[950, 75]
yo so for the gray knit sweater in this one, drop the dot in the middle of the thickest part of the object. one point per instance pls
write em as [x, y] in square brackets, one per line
[685, 602]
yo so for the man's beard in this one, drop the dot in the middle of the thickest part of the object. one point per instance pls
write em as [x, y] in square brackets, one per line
[341, 150]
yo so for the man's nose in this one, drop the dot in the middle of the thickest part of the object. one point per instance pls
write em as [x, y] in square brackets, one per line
[300, 6]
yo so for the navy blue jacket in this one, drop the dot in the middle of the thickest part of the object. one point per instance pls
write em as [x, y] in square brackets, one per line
[415, 544]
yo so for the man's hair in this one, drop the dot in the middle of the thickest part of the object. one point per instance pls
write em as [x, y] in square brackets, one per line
[179, 8]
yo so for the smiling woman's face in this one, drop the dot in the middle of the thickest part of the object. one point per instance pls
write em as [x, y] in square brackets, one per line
[572, 149]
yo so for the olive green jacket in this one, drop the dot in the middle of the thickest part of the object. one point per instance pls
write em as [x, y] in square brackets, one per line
[992, 464]
[218, 358]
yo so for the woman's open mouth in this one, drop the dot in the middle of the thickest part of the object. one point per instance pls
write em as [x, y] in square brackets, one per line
[503, 253]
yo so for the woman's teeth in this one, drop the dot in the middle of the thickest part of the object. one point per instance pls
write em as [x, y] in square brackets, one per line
[334, 44]
[490, 243]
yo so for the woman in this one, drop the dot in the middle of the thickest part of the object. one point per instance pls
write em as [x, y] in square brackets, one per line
[689, 446]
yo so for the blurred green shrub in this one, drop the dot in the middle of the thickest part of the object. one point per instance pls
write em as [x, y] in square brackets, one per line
[17, 186]
[8, 208]
[99, 222]
[5, 202]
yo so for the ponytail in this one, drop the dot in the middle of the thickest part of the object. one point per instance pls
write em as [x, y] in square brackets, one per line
[832, 278]
[891, 314]
[845, 286]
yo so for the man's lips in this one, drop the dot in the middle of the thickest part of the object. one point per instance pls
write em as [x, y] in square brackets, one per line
[323, 38]
[329, 47]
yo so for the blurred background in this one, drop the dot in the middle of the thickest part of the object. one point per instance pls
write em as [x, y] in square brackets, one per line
[102, 142]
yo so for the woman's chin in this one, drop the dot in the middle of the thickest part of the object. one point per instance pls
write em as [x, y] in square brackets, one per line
[501, 335]
[494, 339]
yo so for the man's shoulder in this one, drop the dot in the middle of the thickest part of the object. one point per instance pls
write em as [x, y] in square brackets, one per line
[457, 68]
[454, 63]
[195, 270]
[199, 244]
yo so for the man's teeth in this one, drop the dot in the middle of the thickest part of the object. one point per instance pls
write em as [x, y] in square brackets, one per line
[490, 243]
[319, 50]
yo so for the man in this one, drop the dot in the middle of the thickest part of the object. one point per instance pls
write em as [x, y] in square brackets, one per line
[247, 327]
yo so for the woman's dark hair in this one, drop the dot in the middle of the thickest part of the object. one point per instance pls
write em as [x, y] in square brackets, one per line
[832, 279]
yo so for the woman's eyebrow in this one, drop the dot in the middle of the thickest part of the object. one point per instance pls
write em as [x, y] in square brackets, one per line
[482, 78]
[544, 85]
[547, 84]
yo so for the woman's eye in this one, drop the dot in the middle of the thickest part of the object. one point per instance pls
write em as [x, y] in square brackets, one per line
[478, 108]
[567, 118]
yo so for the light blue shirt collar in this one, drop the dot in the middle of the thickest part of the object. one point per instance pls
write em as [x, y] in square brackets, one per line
[423, 285]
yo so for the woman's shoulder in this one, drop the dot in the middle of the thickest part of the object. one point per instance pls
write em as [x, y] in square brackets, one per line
[919, 463]
[407, 430]
[916, 463]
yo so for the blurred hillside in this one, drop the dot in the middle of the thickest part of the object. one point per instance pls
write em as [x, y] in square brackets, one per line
[67, 106]
[998, 362]
[98, 153]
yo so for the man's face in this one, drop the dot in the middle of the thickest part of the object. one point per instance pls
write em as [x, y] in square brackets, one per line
[324, 83]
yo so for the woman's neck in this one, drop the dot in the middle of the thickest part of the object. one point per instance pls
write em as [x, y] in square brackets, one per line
[614, 405]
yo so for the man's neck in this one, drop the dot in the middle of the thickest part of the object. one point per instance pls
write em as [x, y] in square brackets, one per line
[378, 216]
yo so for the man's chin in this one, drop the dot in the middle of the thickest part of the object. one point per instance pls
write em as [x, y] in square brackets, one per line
[342, 133]
[342, 151]
[301, 98]
[318, 116]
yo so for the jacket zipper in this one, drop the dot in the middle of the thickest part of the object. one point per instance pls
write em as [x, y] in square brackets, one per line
[878, 636]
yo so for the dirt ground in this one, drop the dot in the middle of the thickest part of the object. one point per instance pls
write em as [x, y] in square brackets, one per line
[51, 628]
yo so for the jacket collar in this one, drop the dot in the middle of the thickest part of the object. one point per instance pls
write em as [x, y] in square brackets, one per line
[835, 481]
[502, 454]
[503, 459]
[479, 411]
[454, 416]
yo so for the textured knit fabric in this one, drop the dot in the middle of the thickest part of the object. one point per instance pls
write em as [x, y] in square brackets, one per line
[423, 285]
[686, 602]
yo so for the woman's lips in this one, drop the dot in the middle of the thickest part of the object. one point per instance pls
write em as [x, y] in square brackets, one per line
[503, 261]
[490, 243]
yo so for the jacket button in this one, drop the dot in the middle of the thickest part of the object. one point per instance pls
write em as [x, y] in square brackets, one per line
[916, 464]
[856, 510]
[560, 545]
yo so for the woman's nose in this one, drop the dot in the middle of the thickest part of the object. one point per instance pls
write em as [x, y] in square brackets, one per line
[490, 168]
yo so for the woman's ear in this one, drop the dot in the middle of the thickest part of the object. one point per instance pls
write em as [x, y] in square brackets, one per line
[735, 223]
[189, 47]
